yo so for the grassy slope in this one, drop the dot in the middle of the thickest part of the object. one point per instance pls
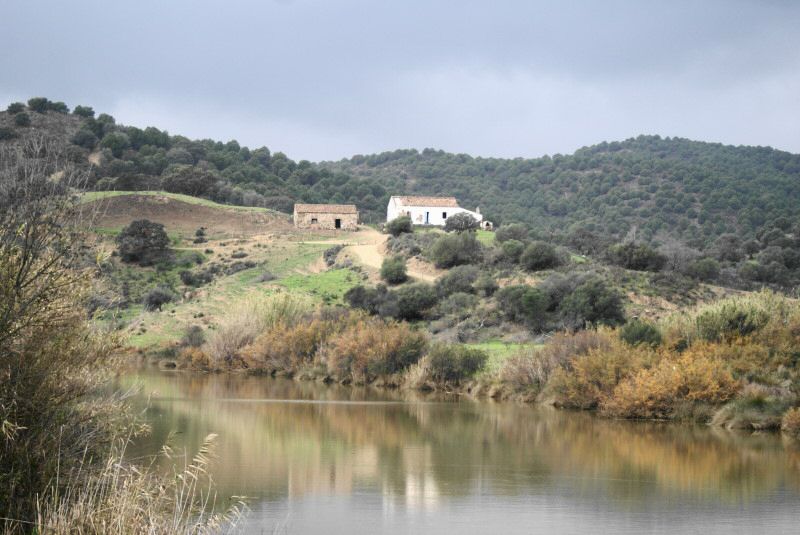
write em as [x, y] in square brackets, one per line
[91, 196]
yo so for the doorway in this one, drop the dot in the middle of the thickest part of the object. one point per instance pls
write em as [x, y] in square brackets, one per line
[337, 223]
[427, 218]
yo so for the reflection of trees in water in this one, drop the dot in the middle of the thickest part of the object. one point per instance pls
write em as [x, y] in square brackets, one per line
[379, 443]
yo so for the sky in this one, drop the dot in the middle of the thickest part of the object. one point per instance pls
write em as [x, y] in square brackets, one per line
[327, 79]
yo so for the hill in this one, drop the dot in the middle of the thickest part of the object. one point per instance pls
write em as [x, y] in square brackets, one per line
[648, 186]
[690, 190]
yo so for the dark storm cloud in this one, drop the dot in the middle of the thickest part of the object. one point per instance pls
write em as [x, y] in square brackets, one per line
[325, 79]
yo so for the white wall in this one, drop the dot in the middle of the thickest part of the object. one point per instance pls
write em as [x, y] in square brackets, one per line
[427, 215]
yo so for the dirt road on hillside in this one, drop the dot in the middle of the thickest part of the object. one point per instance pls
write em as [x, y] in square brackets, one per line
[370, 250]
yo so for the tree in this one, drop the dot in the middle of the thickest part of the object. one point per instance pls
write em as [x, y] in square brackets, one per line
[39, 104]
[523, 304]
[414, 300]
[399, 225]
[142, 242]
[83, 111]
[728, 248]
[514, 231]
[705, 269]
[15, 107]
[188, 180]
[458, 279]
[512, 250]
[460, 222]
[638, 257]
[84, 138]
[117, 142]
[593, 303]
[22, 119]
[456, 249]
[538, 256]
[393, 270]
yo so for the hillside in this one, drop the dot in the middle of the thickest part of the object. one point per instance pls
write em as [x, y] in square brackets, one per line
[691, 190]
[651, 186]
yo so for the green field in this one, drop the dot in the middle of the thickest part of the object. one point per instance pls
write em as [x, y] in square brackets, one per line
[499, 351]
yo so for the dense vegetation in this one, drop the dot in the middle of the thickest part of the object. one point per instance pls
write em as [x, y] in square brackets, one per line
[647, 187]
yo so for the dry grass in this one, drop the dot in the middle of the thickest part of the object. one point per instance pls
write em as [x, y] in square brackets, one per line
[122, 498]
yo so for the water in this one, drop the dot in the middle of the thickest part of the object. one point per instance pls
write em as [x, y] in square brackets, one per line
[320, 459]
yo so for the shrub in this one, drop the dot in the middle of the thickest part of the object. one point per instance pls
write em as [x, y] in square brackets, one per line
[730, 320]
[523, 303]
[399, 225]
[790, 423]
[158, 297]
[460, 222]
[7, 133]
[83, 111]
[514, 231]
[194, 336]
[15, 107]
[538, 256]
[486, 286]
[592, 302]
[512, 250]
[458, 279]
[694, 377]
[458, 304]
[452, 364]
[117, 142]
[637, 332]
[414, 300]
[22, 119]
[638, 257]
[558, 287]
[39, 104]
[393, 270]
[705, 269]
[84, 138]
[411, 244]
[456, 249]
[331, 253]
[266, 277]
[143, 242]
[363, 352]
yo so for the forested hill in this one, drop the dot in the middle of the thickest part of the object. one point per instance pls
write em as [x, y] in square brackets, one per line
[689, 189]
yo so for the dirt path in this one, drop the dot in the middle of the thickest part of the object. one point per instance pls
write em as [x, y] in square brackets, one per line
[370, 250]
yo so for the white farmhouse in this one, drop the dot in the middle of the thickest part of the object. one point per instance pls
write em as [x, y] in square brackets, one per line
[427, 210]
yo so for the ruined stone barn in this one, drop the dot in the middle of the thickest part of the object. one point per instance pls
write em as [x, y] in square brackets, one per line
[326, 216]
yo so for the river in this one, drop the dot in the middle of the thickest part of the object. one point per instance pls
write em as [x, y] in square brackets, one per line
[329, 459]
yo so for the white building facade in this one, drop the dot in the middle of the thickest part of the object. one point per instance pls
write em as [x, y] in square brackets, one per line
[427, 210]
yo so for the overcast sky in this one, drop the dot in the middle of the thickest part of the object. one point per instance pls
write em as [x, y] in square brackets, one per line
[329, 79]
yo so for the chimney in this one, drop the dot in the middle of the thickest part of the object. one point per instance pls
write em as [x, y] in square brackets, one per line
[478, 210]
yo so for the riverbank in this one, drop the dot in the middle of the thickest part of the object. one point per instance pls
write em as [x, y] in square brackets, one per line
[733, 363]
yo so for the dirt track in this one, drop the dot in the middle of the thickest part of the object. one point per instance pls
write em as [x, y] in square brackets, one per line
[370, 250]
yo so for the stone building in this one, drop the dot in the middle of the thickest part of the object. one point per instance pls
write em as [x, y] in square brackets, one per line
[326, 216]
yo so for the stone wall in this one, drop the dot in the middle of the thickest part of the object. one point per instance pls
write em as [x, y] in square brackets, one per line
[325, 221]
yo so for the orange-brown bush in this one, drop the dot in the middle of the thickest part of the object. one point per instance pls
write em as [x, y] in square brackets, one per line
[790, 423]
[590, 379]
[195, 358]
[698, 375]
[372, 348]
[289, 347]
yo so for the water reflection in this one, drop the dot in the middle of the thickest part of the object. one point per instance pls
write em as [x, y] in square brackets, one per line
[388, 461]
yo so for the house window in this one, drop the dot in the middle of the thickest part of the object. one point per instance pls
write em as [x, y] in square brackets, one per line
[314, 221]
[444, 215]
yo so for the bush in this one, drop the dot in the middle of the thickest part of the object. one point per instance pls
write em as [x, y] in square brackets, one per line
[458, 279]
[638, 257]
[22, 119]
[83, 111]
[414, 300]
[158, 297]
[790, 423]
[39, 104]
[393, 270]
[456, 249]
[143, 242]
[399, 225]
[637, 332]
[7, 133]
[459, 305]
[523, 304]
[460, 222]
[361, 353]
[592, 302]
[194, 336]
[538, 256]
[705, 269]
[512, 250]
[514, 231]
[117, 143]
[694, 377]
[452, 364]
[15, 107]
[728, 321]
[411, 244]
[485, 286]
[331, 253]
[85, 138]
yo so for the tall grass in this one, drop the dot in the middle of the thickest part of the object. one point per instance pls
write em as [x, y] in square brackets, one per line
[122, 498]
